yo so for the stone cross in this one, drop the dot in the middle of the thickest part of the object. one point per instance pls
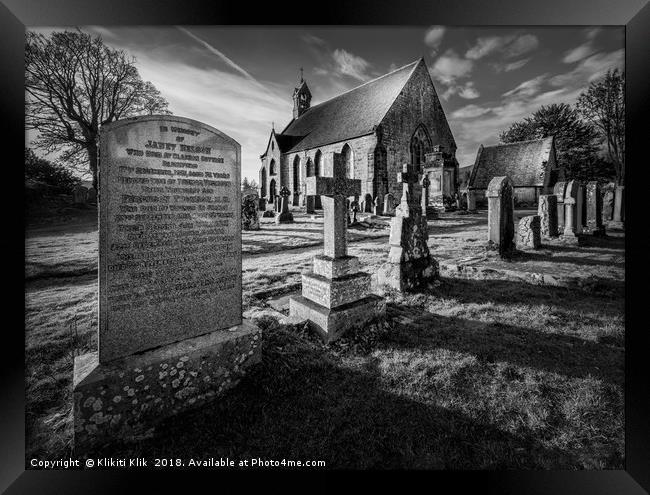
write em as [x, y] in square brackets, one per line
[335, 190]
[410, 185]
[284, 203]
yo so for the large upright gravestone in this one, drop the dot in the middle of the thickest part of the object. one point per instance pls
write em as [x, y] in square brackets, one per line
[594, 218]
[618, 217]
[410, 265]
[559, 190]
[501, 228]
[547, 212]
[335, 294]
[171, 334]
[572, 218]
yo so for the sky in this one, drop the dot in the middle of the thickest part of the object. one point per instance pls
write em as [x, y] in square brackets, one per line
[240, 79]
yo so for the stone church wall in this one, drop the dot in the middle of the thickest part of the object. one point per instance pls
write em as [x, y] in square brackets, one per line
[416, 104]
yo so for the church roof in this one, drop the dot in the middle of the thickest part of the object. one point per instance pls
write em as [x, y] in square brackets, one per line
[524, 162]
[352, 114]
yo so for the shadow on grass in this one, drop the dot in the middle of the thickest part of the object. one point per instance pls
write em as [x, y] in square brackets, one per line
[540, 257]
[492, 342]
[604, 297]
[302, 403]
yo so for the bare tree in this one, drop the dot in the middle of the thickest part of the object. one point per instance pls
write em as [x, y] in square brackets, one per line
[603, 104]
[74, 85]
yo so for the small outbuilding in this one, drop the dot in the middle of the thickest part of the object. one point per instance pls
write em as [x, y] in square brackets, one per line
[532, 166]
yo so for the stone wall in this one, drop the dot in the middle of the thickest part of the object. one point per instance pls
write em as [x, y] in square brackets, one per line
[361, 147]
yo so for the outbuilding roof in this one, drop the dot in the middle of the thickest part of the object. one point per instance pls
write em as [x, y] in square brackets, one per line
[525, 162]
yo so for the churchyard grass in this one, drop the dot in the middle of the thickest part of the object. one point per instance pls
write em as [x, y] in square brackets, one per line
[481, 373]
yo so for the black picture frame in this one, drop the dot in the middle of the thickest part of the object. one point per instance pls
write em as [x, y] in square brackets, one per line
[15, 15]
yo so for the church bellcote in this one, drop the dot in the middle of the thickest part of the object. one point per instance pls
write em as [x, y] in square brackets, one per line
[301, 98]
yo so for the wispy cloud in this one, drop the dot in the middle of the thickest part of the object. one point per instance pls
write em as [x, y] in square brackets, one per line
[433, 37]
[590, 68]
[449, 67]
[510, 66]
[510, 46]
[351, 65]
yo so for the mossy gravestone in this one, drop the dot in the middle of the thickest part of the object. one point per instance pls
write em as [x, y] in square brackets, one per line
[171, 334]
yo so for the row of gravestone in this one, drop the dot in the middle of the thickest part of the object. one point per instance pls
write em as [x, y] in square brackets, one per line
[379, 207]
[574, 209]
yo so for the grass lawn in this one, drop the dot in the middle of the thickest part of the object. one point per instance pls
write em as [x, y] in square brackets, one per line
[478, 373]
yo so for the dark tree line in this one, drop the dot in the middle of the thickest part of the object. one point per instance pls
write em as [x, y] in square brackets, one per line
[598, 117]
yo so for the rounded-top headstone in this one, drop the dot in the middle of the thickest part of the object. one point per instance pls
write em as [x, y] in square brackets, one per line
[559, 190]
[170, 233]
[497, 185]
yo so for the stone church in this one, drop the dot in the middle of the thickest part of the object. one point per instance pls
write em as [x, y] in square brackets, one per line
[378, 126]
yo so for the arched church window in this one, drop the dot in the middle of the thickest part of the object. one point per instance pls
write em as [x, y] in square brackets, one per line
[296, 173]
[310, 168]
[317, 163]
[272, 168]
[349, 161]
[420, 146]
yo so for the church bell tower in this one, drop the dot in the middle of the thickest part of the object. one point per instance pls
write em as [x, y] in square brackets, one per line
[301, 98]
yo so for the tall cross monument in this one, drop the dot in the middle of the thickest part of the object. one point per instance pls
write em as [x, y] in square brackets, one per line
[335, 294]
[410, 265]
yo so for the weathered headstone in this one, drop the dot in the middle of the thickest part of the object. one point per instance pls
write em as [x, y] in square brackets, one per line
[594, 220]
[92, 196]
[501, 227]
[528, 234]
[249, 216]
[581, 204]
[311, 204]
[471, 200]
[425, 194]
[335, 294]
[355, 208]
[608, 202]
[285, 216]
[389, 205]
[559, 190]
[618, 218]
[547, 211]
[79, 195]
[171, 334]
[570, 215]
[410, 265]
[378, 207]
[368, 204]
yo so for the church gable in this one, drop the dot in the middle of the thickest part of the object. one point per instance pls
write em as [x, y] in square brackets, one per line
[418, 105]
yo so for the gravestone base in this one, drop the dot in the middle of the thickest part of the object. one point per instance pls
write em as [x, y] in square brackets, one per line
[124, 399]
[570, 238]
[268, 214]
[286, 217]
[613, 224]
[409, 275]
[330, 324]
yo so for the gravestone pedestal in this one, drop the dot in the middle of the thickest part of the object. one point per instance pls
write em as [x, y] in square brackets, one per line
[126, 398]
[410, 265]
[471, 200]
[335, 294]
